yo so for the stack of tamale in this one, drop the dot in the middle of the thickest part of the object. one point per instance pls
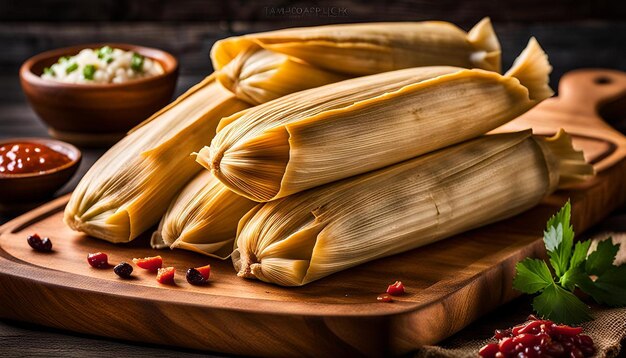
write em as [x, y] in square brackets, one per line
[326, 169]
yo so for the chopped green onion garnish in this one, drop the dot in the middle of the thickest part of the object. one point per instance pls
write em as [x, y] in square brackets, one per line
[89, 71]
[63, 59]
[48, 71]
[136, 63]
[71, 68]
[109, 59]
[104, 52]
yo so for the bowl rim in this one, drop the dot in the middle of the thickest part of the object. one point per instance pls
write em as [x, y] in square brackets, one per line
[28, 75]
[47, 142]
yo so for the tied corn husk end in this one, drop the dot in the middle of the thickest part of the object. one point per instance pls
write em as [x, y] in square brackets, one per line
[301, 238]
[257, 75]
[202, 218]
[365, 49]
[532, 69]
[332, 132]
[487, 52]
[567, 165]
[128, 189]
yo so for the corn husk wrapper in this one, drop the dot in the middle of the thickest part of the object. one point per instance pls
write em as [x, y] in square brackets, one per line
[202, 218]
[321, 135]
[129, 189]
[244, 65]
[365, 49]
[312, 234]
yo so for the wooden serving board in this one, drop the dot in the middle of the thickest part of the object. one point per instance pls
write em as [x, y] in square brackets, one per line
[449, 283]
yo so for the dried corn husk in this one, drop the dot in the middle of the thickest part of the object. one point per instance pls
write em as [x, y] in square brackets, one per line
[130, 187]
[328, 133]
[247, 75]
[312, 234]
[365, 49]
[244, 65]
[202, 218]
[127, 190]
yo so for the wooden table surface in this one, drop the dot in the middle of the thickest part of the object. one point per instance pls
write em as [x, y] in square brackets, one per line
[573, 36]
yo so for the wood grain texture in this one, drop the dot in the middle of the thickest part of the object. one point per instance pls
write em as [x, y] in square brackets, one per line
[450, 283]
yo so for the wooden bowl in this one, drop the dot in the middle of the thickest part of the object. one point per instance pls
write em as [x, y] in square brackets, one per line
[96, 114]
[29, 187]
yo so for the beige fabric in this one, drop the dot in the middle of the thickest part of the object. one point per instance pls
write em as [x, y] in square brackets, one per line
[608, 329]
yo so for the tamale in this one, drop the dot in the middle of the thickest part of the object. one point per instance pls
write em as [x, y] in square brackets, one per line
[328, 133]
[129, 188]
[243, 65]
[202, 218]
[247, 75]
[312, 234]
[365, 49]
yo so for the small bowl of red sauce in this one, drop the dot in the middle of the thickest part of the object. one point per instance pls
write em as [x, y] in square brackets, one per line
[32, 169]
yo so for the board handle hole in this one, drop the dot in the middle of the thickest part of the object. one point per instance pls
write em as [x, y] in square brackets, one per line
[602, 80]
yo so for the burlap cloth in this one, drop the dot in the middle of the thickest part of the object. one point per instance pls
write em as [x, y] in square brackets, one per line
[608, 329]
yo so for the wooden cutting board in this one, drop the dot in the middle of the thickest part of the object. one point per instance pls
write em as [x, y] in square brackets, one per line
[449, 283]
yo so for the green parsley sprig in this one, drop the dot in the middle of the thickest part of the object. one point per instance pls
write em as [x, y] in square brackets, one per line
[594, 274]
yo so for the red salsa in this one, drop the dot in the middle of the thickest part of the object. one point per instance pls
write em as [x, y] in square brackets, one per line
[29, 157]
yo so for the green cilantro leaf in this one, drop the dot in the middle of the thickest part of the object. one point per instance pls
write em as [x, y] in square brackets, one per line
[533, 275]
[576, 277]
[580, 253]
[602, 259]
[559, 238]
[560, 305]
[573, 269]
[612, 286]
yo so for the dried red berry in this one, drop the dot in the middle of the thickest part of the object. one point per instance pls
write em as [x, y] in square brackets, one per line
[98, 260]
[507, 346]
[166, 275]
[532, 327]
[396, 289]
[199, 275]
[567, 330]
[525, 339]
[384, 297]
[39, 244]
[123, 270]
[489, 350]
[501, 333]
[149, 263]
[540, 338]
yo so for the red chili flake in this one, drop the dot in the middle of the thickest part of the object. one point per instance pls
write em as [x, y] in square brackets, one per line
[396, 289]
[384, 297]
[149, 263]
[98, 260]
[166, 275]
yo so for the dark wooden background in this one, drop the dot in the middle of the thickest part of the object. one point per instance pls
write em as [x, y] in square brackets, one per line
[575, 34]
